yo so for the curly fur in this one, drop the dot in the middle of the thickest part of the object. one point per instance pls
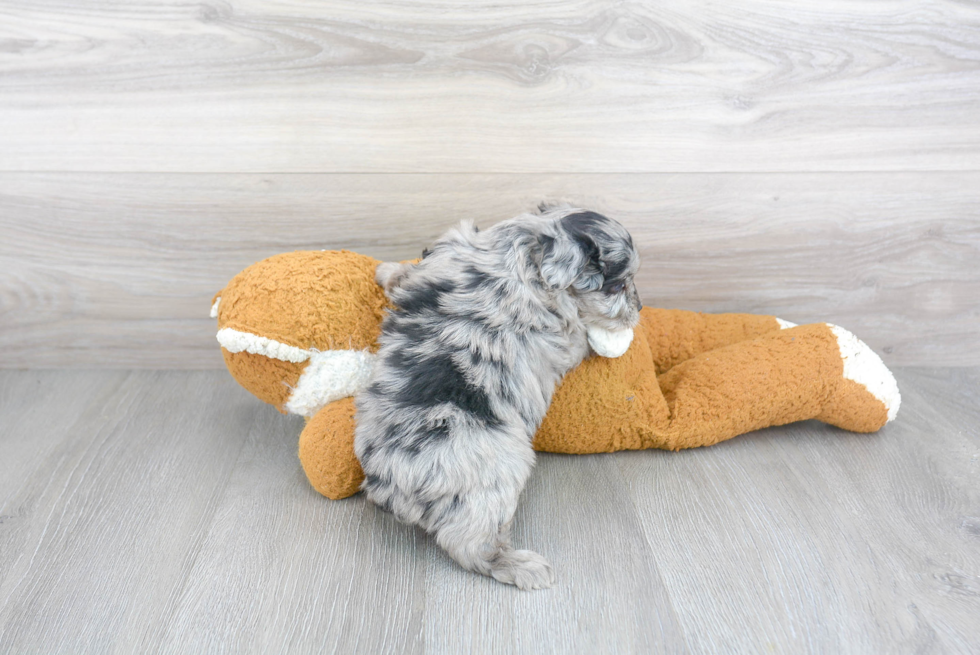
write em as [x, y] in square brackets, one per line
[485, 326]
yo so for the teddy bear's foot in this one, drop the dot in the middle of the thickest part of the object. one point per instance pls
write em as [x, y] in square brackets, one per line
[868, 396]
[326, 451]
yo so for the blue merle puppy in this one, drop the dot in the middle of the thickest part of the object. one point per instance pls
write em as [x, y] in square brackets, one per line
[484, 328]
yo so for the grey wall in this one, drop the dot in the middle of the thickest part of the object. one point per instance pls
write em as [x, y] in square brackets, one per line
[818, 162]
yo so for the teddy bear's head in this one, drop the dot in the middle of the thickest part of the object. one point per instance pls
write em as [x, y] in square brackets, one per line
[299, 330]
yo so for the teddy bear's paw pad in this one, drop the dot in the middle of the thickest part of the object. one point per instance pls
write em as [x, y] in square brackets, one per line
[863, 366]
[523, 568]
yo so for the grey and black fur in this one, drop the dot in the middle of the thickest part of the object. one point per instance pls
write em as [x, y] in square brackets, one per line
[485, 326]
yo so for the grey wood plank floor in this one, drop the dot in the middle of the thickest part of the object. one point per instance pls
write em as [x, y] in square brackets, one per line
[165, 511]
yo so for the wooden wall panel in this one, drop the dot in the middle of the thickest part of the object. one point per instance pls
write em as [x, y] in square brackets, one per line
[112, 270]
[512, 86]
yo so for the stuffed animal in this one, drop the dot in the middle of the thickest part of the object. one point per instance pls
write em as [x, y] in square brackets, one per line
[299, 330]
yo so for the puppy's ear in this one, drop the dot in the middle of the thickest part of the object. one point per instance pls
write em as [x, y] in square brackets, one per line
[565, 258]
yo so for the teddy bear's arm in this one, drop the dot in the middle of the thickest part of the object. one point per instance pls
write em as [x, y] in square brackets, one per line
[675, 335]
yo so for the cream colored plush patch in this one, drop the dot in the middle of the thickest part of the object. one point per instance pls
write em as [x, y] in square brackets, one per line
[235, 341]
[862, 365]
[329, 376]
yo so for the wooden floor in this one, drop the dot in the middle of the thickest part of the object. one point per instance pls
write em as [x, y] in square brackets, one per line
[165, 511]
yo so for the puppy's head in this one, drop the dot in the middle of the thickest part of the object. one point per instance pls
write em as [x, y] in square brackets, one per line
[592, 258]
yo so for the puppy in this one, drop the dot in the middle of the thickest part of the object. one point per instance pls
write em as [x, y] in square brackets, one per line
[484, 328]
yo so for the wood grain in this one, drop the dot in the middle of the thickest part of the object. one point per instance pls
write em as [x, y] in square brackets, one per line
[585, 86]
[112, 270]
[609, 597]
[866, 543]
[99, 530]
[166, 512]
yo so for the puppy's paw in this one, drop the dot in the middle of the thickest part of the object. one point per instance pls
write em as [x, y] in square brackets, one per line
[610, 344]
[389, 274]
[523, 568]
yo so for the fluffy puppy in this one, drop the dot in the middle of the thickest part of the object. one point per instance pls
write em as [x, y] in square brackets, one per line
[485, 326]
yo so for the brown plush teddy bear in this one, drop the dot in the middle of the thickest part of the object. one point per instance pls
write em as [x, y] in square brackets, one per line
[299, 330]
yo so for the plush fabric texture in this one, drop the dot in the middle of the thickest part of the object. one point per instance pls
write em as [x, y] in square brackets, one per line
[778, 377]
[675, 336]
[270, 380]
[862, 365]
[234, 341]
[686, 380]
[330, 375]
[286, 297]
[302, 301]
[329, 463]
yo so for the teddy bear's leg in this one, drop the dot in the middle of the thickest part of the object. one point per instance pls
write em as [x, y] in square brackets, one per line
[326, 451]
[811, 371]
[606, 405]
[675, 335]
[867, 382]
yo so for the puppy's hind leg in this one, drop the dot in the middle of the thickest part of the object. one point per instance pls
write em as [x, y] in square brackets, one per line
[476, 533]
